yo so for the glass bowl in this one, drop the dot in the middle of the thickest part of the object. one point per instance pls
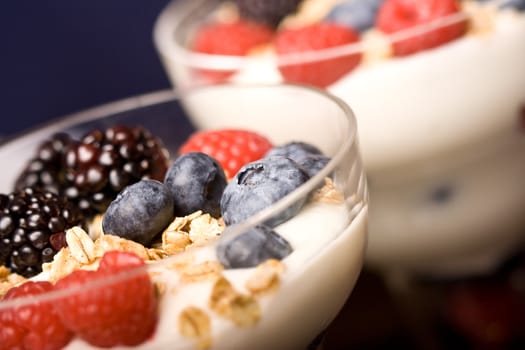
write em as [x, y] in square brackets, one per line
[441, 129]
[328, 235]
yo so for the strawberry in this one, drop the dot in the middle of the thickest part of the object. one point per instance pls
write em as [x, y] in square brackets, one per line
[315, 37]
[397, 15]
[232, 148]
[123, 312]
[34, 325]
[230, 39]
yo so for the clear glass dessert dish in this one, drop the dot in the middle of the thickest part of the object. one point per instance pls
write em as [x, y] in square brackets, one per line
[440, 105]
[196, 301]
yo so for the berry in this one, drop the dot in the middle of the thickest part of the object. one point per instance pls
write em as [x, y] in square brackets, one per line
[92, 171]
[252, 247]
[140, 212]
[105, 162]
[260, 184]
[33, 325]
[359, 15]
[317, 37]
[230, 39]
[270, 12]
[306, 155]
[489, 313]
[106, 309]
[397, 15]
[232, 148]
[32, 228]
[46, 170]
[196, 182]
[514, 4]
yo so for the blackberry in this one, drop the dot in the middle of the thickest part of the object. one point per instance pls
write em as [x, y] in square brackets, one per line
[269, 12]
[91, 172]
[32, 228]
[46, 169]
[103, 163]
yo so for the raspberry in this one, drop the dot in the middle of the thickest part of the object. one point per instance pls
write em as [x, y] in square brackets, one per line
[35, 325]
[320, 36]
[230, 39]
[232, 148]
[397, 15]
[123, 312]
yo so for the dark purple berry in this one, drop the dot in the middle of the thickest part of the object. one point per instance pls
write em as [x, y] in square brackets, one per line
[269, 12]
[30, 222]
[92, 171]
[46, 170]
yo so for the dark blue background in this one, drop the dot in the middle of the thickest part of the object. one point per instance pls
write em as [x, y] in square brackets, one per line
[62, 56]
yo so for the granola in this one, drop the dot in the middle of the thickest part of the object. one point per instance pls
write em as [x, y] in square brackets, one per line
[8, 280]
[242, 309]
[266, 277]
[195, 323]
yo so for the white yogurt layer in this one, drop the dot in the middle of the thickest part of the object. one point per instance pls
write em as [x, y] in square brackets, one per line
[391, 97]
[328, 252]
[445, 117]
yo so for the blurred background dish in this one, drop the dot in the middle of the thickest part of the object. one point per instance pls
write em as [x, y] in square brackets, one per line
[438, 93]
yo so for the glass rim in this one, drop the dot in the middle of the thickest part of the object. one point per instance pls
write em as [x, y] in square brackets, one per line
[170, 95]
[175, 13]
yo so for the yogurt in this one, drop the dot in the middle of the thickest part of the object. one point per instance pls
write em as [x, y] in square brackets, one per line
[439, 132]
[325, 238]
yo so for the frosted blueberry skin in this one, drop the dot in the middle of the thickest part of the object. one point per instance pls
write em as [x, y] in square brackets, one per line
[515, 4]
[140, 212]
[306, 155]
[359, 15]
[252, 247]
[260, 184]
[196, 182]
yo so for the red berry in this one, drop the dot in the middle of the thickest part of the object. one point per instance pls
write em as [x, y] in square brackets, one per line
[123, 312]
[397, 15]
[230, 39]
[488, 314]
[320, 36]
[34, 325]
[11, 336]
[232, 148]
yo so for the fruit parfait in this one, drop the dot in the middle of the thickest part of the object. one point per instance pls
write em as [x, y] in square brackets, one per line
[438, 90]
[121, 226]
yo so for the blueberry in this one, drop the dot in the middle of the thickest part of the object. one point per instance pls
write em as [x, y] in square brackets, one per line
[196, 182]
[516, 4]
[258, 185]
[442, 194]
[140, 211]
[252, 247]
[356, 14]
[306, 155]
